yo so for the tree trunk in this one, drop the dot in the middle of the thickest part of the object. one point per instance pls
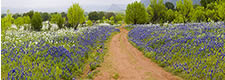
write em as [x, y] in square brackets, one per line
[75, 27]
[135, 21]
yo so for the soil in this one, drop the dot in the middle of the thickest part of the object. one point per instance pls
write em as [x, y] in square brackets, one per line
[124, 62]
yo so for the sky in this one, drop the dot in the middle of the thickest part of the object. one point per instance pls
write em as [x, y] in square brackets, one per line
[58, 5]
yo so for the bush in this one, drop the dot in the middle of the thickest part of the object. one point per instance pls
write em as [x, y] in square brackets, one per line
[89, 23]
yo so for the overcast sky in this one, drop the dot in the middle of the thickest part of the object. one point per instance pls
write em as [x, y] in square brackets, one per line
[38, 4]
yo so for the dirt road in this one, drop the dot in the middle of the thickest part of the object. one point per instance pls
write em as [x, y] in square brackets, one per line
[125, 62]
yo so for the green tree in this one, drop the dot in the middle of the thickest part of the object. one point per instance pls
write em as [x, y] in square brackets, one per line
[93, 16]
[64, 14]
[108, 15]
[104, 19]
[75, 15]
[58, 19]
[136, 13]
[3, 15]
[101, 14]
[30, 14]
[170, 15]
[199, 14]
[15, 16]
[179, 18]
[26, 22]
[212, 5]
[36, 22]
[26, 19]
[118, 18]
[19, 22]
[45, 16]
[6, 23]
[212, 12]
[112, 20]
[169, 5]
[159, 10]
[206, 2]
[150, 12]
[221, 10]
[89, 23]
[185, 8]
[195, 6]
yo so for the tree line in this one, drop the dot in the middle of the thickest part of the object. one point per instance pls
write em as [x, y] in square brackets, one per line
[185, 11]
[74, 17]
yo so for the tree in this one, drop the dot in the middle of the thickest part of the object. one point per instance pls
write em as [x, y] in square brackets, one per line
[185, 8]
[212, 12]
[63, 14]
[93, 16]
[169, 5]
[221, 10]
[195, 6]
[3, 15]
[118, 18]
[89, 23]
[179, 18]
[36, 22]
[150, 12]
[112, 20]
[75, 15]
[26, 19]
[6, 22]
[170, 15]
[108, 15]
[101, 14]
[26, 22]
[15, 16]
[45, 16]
[58, 19]
[30, 14]
[211, 6]
[199, 14]
[136, 13]
[22, 21]
[103, 18]
[206, 2]
[19, 22]
[159, 10]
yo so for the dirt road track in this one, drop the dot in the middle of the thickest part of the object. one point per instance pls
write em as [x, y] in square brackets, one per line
[128, 63]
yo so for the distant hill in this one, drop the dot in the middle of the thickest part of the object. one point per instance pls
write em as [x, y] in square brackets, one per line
[117, 7]
[89, 8]
[147, 2]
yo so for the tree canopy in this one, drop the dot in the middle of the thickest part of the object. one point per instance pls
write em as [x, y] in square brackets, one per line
[94, 16]
[136, 13]
[36, 22]
[108, 15]
[199, 14]
[89, 23]
[206, 2]
[185, 8]
[30, 14]
[58, 19]
[6, 23]
[45, 16]
[159, 11]
[19, 22]
[169, 5]
[118, 18]
[75, 15]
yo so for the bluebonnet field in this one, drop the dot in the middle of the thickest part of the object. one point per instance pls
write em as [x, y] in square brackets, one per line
[193, 50]
[53, 55]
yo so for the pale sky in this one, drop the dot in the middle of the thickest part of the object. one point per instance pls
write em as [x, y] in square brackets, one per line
[37, 4]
